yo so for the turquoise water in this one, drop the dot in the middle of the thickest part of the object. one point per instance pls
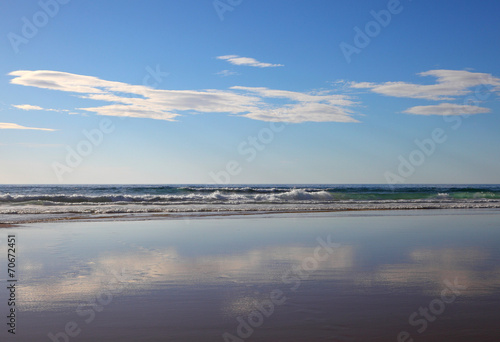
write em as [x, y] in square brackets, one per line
[30, 203]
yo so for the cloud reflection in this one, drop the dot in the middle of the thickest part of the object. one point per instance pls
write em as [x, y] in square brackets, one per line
[472, 267]
[150, 268]
[155, 268]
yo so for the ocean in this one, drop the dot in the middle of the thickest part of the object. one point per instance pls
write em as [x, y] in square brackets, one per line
[43, 203]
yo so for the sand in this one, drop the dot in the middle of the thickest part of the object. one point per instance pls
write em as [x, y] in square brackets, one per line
[360, 276]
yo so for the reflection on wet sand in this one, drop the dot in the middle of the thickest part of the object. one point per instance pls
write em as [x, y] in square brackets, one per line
[176, 282]
[155, 268]
[471, 267]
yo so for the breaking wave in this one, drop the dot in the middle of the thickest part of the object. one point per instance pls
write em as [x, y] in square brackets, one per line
[22, 203]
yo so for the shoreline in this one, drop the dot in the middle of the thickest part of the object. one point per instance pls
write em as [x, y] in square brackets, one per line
[135, 217]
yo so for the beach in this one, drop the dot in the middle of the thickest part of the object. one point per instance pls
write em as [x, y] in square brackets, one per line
[238, 171]
[426, 275]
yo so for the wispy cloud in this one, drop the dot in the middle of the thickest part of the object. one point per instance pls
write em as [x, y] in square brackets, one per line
[144, 102]
[27, 107]
[248, 61]
[6, 125]
[450, 84]
[318, 107]
[226, 73]
[32, 107]
[446, 109]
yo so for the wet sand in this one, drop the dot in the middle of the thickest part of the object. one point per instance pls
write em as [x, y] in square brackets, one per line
[351, 276]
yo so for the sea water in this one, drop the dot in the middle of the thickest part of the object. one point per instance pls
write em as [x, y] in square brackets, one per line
[38, 203]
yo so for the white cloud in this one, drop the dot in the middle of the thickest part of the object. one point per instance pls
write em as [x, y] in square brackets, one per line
[314, 112]
[325, 97]
[446, 109]
[248, 61]
[27, 107]
[6, 125]
[319, 107]
[450, 84]
[144, 102]
[31, 107]
[226, 73]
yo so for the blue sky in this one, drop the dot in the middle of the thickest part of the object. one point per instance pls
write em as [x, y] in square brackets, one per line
[199, 91]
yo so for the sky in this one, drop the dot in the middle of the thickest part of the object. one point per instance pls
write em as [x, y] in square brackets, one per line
[239, 91]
